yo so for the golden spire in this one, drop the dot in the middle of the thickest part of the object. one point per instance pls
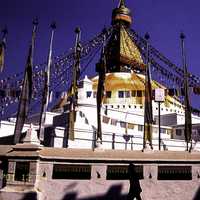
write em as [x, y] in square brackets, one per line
[123, 53]
[121, 3]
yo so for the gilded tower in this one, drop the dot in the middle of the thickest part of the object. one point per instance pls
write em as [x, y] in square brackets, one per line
[122, 53]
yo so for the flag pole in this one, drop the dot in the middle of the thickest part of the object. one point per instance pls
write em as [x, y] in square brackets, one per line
[188, 117]
[148, 116]
[26, 92]
[101, 69]
[46, 91]
[74, 88]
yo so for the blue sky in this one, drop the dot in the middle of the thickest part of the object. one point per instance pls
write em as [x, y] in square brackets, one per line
[164, 20]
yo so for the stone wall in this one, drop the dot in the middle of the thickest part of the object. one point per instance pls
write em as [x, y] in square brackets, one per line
[99, 187]
[42, 185]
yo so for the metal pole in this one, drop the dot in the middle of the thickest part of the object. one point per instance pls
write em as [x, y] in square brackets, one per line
[188, 120]
[147, 103]
[182, 36]
[159, 129]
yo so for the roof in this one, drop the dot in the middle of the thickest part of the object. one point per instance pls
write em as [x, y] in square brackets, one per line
[123, 80]
[118, 155]
[130, 81]
[4, 149]
[105, 156]
[116, 81]
[197, 125]
[23, 150]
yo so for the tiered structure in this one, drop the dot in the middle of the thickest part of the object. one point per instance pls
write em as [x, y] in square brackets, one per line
[112, 108]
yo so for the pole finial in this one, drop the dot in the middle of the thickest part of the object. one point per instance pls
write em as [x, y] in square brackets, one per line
[77, 30]
[182, 35]
[104, 30]
[121, 3]
[147, 36]
[53, 25]
[35, 21]
[5, 30]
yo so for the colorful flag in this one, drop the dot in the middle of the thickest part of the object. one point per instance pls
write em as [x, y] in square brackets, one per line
[2, 49]
[148, 114]
[26, 92]
[196, 90]
[188, 117]
[106, 119]
[114, 122]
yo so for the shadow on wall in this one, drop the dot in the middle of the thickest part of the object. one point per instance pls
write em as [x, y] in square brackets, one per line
[30, 196]
[197, 195]
[114, 193]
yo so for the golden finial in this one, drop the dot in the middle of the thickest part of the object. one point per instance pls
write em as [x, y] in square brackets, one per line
[121, 3]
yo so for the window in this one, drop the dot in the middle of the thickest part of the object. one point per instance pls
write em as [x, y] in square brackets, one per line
[140, 127]
[133, 93]
[178, 132]
[64, 171]
[169, 131]
[80, 85]
[130, 126]
[198, 130]
[163, 130]
[108, 94]
[115, 172]
[88, 94]
[127, 94]
[121, 94]
[22, 171]
[114, 122]
[153, 94]
[155, 130]
[106, 119]
[139, 93]
[174, 173]
[123, 124]
[94, 94]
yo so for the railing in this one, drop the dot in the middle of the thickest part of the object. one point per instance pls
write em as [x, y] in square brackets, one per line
[131, 141]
